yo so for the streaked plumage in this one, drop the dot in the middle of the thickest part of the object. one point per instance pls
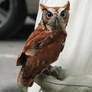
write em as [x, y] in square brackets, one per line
[45, 43]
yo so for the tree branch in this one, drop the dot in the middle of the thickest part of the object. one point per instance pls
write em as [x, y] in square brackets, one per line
[43, 80]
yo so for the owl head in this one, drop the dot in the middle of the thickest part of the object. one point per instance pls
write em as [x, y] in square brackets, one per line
[55, 16]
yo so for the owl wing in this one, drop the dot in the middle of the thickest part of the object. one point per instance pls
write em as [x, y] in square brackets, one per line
[33, 45]
[63, 44]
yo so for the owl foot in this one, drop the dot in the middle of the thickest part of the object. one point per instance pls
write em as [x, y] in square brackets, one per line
[55, 72]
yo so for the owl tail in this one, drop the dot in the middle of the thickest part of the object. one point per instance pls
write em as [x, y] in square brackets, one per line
[27, 82]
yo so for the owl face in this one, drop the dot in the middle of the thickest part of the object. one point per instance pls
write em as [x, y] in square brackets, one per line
[55, 16]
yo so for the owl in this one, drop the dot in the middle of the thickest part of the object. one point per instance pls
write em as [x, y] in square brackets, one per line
[45, 43]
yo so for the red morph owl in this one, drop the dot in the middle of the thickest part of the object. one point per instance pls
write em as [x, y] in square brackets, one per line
[45, 43]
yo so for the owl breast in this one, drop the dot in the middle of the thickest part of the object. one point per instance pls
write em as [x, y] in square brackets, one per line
[51, 52]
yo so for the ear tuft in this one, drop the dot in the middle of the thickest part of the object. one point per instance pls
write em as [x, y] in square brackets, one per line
[67, 5]
[43, 7]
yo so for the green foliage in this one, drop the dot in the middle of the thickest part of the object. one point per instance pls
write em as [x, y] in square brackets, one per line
[22, 90]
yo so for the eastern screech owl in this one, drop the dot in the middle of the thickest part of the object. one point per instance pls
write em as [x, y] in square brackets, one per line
[45, 43]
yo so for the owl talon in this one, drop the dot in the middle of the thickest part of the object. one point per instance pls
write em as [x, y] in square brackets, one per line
[50, 71]
[55, 72]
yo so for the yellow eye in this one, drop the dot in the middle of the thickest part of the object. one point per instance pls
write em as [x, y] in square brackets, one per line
[63, 14]
[49, 14]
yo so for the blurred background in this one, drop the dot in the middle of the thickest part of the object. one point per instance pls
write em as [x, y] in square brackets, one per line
[16, 16]
[17, 20]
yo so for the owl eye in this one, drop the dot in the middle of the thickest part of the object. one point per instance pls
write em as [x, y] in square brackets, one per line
[49, 14]
[63, 14]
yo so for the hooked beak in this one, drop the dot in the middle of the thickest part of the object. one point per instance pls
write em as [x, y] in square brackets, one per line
[55, 22]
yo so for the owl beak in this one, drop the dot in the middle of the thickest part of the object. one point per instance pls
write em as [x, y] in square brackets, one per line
[57, 22]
